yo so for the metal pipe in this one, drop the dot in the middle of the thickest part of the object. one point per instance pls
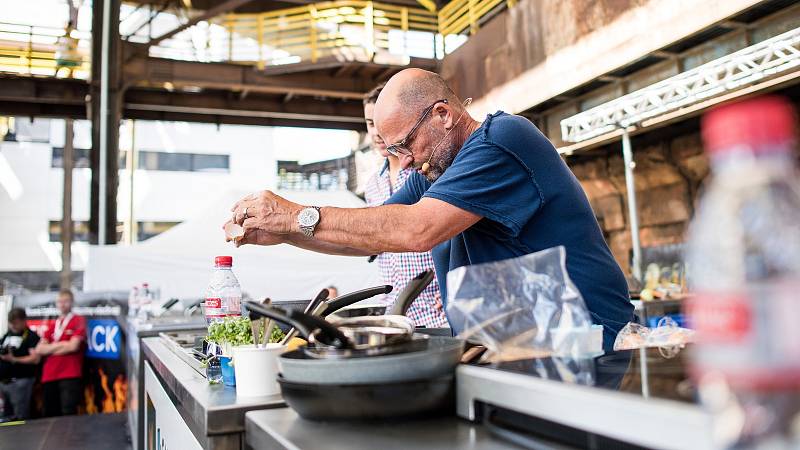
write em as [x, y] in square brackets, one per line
[66, 208]
[101, 195]
[630, 165]
[131, 162]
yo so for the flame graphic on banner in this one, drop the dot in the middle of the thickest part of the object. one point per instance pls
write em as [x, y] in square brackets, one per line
[88, 396]
[120, 393]
[108, 396]
[111, 401]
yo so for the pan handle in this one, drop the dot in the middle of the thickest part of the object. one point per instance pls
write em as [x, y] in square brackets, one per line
[353, 297]
[310, 308]
[414, 287]
[306, 324]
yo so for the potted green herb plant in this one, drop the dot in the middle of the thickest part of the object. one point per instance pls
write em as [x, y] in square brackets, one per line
[234, 337]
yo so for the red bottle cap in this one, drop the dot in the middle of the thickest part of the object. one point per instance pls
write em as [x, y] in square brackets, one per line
[224, 261]
[761, 124]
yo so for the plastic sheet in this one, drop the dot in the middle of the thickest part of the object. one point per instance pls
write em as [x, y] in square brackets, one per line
[520, 308]
[667, 334]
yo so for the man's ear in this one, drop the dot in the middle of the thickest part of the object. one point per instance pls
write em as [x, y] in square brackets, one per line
[443, 115]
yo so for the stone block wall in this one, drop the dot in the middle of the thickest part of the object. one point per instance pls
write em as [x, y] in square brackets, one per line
[668, 176]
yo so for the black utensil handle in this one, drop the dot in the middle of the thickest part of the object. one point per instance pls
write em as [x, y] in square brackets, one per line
[310, 308]
[312, 305]
[354, 297]
[414, 287]
[169, 303]
[258, 310]
[323, 331]
[306, 324]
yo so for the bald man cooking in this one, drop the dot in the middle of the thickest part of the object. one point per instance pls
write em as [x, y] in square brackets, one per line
[482, 192]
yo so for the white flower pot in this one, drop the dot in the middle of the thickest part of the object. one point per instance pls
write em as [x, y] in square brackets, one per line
[256, 369]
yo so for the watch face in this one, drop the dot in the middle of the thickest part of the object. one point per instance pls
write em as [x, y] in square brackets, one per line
[308, 217]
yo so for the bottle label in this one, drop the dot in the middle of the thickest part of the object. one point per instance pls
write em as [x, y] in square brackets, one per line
[720, 318]
[213, 303]
[234, 306]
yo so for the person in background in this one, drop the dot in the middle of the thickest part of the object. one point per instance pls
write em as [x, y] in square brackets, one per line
[333, 292]
[398, 268]
[18, 362]
[62, 347]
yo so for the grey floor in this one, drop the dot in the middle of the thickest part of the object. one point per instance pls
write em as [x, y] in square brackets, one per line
[99, 431]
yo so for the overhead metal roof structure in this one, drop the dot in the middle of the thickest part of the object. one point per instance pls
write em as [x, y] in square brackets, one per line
[772, 57]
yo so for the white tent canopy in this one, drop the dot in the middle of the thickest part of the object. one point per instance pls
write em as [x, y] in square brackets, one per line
[179, 261]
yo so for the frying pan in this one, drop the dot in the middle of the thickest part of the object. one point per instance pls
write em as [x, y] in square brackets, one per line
[395, 316]
[331, 306]
[370, 401]
[422, 357]
[319, 307]
[328, 341]
[440, 357]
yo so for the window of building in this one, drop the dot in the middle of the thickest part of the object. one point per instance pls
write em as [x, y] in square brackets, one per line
[178, 162]
[210, 163]
[181, 162]
[80, 158]
[146, 230]
[80, 231]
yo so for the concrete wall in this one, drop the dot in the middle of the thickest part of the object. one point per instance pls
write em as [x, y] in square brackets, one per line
[670, 171]
[668, 174]
[542, 48]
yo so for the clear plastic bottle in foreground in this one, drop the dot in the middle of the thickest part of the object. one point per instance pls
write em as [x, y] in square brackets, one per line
[224, 294]
[744, 259]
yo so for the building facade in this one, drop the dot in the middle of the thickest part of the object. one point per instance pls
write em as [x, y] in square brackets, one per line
[178, 167]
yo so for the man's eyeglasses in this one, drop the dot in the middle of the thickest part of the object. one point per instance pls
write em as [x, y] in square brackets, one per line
[401, 147]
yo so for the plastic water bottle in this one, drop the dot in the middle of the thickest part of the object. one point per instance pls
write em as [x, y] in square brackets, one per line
[744, 259]
[224, 294]
[145, 301]
[133, 298]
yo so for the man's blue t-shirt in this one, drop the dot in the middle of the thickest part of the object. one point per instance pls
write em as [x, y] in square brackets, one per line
[511, 175]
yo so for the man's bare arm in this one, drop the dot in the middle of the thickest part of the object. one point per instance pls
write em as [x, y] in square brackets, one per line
[390, 228]
[272, 220]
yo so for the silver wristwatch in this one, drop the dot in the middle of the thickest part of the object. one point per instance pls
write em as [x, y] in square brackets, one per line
[308, 220]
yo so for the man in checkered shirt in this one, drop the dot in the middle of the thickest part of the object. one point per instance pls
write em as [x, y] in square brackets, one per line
[398, 268]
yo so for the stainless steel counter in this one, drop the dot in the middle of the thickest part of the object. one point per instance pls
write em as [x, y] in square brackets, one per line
[136, 330]
[284, 429]
[213, 413]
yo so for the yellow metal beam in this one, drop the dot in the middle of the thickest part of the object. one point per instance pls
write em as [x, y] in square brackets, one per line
[428, 4]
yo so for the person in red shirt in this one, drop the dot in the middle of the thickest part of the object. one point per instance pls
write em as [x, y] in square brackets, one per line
[62, 347]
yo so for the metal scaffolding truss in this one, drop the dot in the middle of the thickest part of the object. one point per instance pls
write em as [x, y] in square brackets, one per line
[771, 57]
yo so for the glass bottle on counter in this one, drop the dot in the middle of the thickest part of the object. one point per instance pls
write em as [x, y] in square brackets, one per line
[744, 250]
[224, 294]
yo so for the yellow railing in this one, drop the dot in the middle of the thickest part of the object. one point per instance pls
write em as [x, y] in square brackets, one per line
[46, 51]
[332, 28]
[343, 29]
[460, 15]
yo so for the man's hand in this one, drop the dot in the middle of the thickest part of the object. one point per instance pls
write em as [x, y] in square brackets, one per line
[267, 218]
[7, 357]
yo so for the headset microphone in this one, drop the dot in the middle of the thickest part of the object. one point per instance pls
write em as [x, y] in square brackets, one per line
[427, 164]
